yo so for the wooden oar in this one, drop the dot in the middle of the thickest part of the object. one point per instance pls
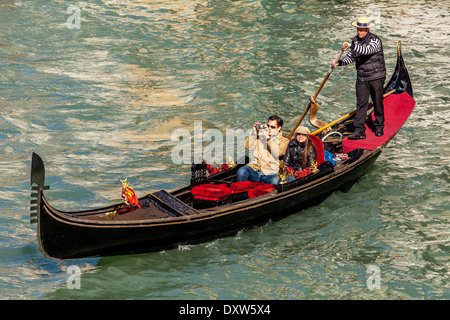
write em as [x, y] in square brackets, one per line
[313, 115]
[315, 96]
[348, 115]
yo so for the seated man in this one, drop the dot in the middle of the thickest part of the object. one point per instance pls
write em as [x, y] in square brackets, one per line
[269, 146]
[300, 152]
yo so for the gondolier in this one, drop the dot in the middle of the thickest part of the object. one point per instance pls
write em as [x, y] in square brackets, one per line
[366, 50]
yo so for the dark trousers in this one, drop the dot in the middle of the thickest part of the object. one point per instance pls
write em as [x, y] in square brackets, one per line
[373, 88]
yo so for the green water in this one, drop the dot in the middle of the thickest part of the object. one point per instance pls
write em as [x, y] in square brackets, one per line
[100, 103]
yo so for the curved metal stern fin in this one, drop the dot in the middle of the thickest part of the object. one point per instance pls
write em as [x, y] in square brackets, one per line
[37, 181]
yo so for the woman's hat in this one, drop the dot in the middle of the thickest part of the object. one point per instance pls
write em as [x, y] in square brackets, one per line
[363, 22]
[302, 130]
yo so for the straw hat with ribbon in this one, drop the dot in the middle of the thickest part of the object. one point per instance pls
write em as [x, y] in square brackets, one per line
[363, 22]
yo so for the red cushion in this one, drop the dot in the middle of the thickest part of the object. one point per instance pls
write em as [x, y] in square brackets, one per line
[244, 186]
[302, 173]
[213, 191]
[319, 149]
[260, 190]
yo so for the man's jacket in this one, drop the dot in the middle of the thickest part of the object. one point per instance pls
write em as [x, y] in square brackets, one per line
[368, 56]
[266, 153]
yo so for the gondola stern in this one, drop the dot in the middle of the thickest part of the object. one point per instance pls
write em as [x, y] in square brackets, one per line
[37, 186]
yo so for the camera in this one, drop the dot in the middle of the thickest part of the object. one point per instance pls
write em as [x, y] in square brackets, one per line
[260, 127]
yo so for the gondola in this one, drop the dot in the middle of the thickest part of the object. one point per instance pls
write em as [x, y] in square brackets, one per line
[166, 219]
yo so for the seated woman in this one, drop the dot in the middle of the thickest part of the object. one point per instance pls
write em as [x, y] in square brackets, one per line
[300, 151]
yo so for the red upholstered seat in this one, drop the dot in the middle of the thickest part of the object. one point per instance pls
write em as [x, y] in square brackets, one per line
[320, 151]
[259, 190]
[302, 173]
[218, 192]
[244, 186]
[212, 192]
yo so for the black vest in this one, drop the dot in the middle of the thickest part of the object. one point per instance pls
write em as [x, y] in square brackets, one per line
[369, 67]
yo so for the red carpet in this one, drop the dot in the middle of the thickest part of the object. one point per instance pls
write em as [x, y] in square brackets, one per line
[397, 108]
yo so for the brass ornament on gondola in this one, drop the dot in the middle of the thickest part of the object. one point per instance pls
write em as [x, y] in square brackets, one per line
[284, 172]
[314, 166]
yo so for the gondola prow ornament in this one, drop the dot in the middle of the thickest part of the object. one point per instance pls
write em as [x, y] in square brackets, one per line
[129, 195]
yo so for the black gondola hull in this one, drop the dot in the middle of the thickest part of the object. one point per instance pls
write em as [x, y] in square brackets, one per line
[64, 237]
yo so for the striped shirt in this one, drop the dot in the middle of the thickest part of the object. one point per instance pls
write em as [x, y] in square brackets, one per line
[357, 49]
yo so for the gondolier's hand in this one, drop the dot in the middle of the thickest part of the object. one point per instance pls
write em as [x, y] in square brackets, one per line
[345, 46]
[334, 64]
